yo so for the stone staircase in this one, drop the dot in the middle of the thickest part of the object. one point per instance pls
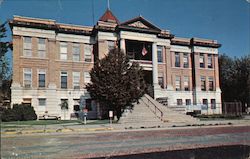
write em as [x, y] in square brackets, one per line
[173, 114]
[140, 116]
[150, 113]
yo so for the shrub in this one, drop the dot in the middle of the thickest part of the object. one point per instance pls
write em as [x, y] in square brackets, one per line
[19, 112]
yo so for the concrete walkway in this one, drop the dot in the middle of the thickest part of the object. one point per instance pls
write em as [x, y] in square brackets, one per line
[77, 127]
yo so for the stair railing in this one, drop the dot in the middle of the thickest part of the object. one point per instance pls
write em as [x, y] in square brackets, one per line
[155, 109]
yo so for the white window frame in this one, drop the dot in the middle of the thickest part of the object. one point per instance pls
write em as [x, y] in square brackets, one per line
[63, 74]
[87, 78]
[88, 49]
[41, 48]
[63, 51]
[27, 47]
[209, 61]
[203, 79]
[202, 60]
[27, 71]
[210, 79]
[76, 52]
[177, 54]
[160, 53]
[185, 60]
[45, 102]
[76, 80]
[40, 72]
[177, 83]
[186, 83]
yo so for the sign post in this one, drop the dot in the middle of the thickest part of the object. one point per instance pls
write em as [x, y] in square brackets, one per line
[110, 117]
[85, 113]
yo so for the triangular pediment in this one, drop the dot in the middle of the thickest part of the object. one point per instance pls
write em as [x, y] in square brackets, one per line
[139, 23]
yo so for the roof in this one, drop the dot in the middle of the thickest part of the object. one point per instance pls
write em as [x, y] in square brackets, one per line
[108, 16]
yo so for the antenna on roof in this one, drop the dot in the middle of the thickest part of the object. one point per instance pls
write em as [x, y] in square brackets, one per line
[108, 4]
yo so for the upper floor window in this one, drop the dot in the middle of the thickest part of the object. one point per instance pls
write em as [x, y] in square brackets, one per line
[202, 61]
[87, 77]
[87, 53]
[76, 80]
[178, 83]
[41, 48]
[185, 60]
[211, 83]
[111, 45]
[76, 52]
[63, 51]
[64, 79]
[41, 77]
[186, 83]
[209, 61]
[213, 104]
[159, 54]
[27, 47]
[27, 77]
[203, 83]
[177, 59]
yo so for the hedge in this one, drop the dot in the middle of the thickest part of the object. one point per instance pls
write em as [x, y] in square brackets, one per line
[19, 112]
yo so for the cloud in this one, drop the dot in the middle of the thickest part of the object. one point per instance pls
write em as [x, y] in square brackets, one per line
[248, 1]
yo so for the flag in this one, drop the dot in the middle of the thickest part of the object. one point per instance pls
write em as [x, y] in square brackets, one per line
[144, 51]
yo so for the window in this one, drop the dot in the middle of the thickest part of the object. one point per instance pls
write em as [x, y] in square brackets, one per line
[209, 61]
[27, 47]
[63, 51]
[87, 53]
[27, 77]
[111, 45]
[186, 83]
[160, 81]
[86, 77]
[178, 83]
[41, 48]
[41, 78]
[42, 101]
[188, 101]
[213, 104]
[202, 65]
[64, 101]
[64, 79]
[159, 54]
[76, 104]
[204, 102]
[211, 83]
[185, 60]
[76, 52]
[203, 83]
[179, 101]
[76, 80]
[177, 59]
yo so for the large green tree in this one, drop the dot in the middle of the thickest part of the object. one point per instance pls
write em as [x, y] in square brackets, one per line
[4, 64]
[116, 83]
[235, 78]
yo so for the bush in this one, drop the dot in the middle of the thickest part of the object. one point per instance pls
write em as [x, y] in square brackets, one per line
[19, 112]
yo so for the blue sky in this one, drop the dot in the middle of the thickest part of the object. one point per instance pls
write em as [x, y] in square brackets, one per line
[227, 21]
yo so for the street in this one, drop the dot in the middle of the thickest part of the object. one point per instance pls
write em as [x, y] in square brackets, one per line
[99, 144]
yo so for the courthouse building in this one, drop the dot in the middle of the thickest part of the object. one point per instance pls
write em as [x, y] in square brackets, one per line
[51, 62]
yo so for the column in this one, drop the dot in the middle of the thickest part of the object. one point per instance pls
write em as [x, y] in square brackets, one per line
[122, 45]
[155, 65]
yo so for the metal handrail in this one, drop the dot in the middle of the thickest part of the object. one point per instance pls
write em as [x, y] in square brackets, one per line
[155, 108]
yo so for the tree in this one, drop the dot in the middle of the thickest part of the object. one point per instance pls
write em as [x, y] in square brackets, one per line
[64, 106]
[235, 78]
[116, 83]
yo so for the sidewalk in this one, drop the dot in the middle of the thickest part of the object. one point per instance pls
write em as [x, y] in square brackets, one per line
[81, 128]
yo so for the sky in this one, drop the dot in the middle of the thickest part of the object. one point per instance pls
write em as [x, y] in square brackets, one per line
[227, 21]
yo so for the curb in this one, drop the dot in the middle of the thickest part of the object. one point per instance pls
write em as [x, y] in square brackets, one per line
[64, 130]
